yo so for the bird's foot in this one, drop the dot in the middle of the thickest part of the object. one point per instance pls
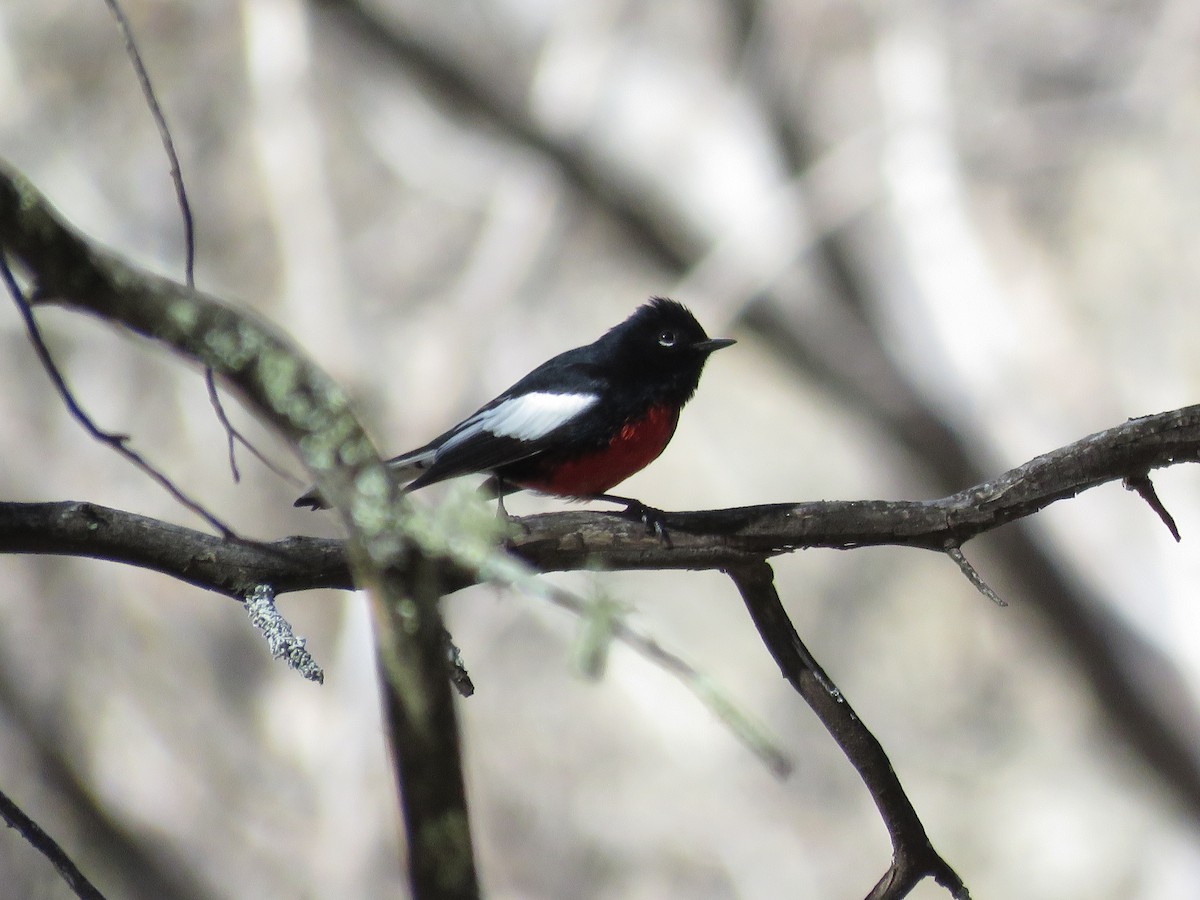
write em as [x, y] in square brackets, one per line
[654, 519]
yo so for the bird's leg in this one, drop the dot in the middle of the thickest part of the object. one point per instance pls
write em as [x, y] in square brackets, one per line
[495, 488]
[654, 519]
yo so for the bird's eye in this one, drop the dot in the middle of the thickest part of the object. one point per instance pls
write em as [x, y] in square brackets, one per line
[666, 339]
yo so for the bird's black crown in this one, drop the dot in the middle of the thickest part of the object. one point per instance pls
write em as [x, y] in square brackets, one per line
[663, 340]
[662, 330]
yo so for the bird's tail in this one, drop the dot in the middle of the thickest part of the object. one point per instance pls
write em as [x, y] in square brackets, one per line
[407, 466]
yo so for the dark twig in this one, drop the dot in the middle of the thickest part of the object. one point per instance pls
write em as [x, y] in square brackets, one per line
[1142, 486]
[118, 442]
[913, 856]
[164, 135]
[233, 436]
[49, 848]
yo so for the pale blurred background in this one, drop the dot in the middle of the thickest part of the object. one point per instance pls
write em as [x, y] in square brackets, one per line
[982, 215]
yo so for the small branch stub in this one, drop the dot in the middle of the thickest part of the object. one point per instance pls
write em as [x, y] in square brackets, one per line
[459, 676]
[1144, 488]
[973, 576]
[281, 640]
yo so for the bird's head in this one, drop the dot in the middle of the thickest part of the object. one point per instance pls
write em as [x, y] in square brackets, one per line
[663, 339]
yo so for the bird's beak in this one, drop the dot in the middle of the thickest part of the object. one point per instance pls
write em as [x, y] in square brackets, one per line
[712, 344]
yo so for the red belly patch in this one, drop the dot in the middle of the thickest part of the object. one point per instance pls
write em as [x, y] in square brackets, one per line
[632, 448]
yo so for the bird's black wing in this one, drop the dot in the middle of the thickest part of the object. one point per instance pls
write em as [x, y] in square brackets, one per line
[531, 416]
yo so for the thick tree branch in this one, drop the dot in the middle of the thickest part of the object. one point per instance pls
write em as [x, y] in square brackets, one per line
[309, 410]
[560, 541]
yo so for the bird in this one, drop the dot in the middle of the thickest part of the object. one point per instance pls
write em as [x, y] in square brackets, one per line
[581, 422]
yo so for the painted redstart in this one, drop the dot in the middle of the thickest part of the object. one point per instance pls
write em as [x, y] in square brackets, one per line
[581, 422]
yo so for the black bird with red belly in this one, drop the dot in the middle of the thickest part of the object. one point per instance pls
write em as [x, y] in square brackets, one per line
[581, 422]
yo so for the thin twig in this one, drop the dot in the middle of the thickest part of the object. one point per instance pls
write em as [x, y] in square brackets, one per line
[233, 436]
[49, 848]
[164, 135]
[753, 735]
[214, 400]
[118, 442]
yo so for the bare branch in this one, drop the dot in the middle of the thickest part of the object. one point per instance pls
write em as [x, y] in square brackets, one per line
[913, 856]
[164, 136]
[49, 848]
[231, 568]
[233, 436]
[118, 442]
[579, 539]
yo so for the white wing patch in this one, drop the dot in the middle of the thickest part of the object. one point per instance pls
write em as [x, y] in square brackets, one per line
[527, 417]
[414, 460]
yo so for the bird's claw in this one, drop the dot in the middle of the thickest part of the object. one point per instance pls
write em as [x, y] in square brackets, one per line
[654, 520]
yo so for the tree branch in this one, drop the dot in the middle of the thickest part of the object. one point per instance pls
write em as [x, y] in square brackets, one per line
[578, 539]
[16, 818]
[913, 856]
